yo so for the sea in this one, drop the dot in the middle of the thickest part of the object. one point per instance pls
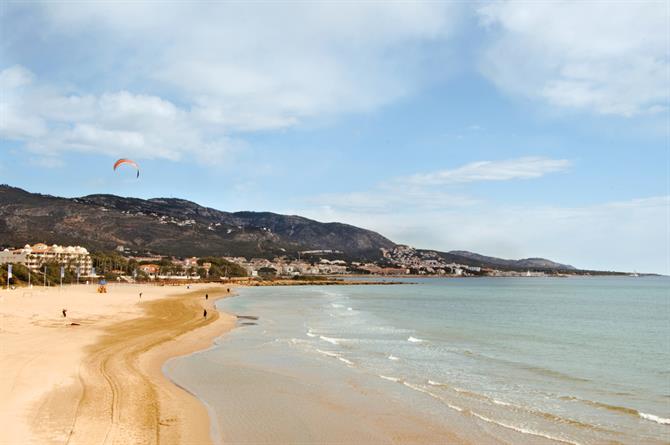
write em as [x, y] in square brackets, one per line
[577, 360]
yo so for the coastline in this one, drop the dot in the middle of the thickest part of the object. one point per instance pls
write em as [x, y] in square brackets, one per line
[96, 376]
[182, 414]
[343, 369]
[268, 402]
[105, 374]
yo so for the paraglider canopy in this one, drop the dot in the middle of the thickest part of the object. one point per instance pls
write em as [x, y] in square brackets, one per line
[129, 162]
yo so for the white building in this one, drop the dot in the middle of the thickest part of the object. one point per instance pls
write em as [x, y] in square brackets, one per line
[13, 257]
[36, 255]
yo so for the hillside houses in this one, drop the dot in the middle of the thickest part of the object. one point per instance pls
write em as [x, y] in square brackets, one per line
[398, 261]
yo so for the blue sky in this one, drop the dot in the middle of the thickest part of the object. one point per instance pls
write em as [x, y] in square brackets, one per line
[513, 129]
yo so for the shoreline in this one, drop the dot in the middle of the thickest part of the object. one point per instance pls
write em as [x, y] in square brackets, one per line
[265, 405]
[291, 381]
[176, 401]
[96, 376]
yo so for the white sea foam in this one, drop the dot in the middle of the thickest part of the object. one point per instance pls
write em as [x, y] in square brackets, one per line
[414, 340]
[335, 355]
[435, 396]
[311, 334]
[336, 305]
[331, 340]
[653, 418]
[500, 402]
[293, 341]
[393, 357]
[350, 309]
[328, 353]
[344, 360]
[391, 379]
[523, 430]
[420, 389]
[465, 391]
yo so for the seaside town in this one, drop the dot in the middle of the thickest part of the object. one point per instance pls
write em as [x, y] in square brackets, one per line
[76, 262]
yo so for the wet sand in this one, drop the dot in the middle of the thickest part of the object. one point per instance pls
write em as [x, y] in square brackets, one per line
[273, 381]
[262, 406]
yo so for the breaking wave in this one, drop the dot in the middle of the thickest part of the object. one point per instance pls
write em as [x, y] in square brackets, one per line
[620, 409]
[523, 430]
[653, 418]
[391, 379]
[331, 340]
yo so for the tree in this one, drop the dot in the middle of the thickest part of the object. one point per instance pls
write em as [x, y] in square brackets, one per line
[267, 272]
[227, 268]
[215, 272]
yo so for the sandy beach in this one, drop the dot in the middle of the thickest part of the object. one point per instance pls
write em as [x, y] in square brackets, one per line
[94, 377]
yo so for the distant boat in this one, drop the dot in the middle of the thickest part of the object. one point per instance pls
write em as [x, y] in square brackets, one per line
[634, 274]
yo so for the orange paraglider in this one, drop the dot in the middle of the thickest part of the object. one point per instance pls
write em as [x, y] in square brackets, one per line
[129, 162]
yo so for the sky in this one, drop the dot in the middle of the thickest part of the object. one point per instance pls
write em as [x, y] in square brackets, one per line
[511, 129]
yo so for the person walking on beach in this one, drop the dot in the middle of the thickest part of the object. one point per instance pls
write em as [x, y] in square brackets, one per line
[228, 290]
[204, 313]
[64, 311]
[206, 296]
[140, 295]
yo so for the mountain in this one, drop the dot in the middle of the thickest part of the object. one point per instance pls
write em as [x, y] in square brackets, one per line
[173, 227]
[181, 228]
[474, 259]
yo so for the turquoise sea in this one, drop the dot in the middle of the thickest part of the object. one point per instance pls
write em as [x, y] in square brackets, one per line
[509, 360]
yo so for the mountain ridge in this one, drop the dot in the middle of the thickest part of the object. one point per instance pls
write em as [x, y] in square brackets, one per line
[179, 227]
[172, 226]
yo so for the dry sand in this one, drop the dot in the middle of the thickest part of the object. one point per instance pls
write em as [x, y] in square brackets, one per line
[100, 381]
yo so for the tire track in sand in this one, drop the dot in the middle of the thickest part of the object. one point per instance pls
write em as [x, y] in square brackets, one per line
[119, 403]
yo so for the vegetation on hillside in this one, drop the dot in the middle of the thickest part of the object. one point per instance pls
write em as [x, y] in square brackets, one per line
[21, 275]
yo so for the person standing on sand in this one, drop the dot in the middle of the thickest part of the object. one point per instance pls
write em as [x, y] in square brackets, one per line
[204, 313]
[140, 295]
[64, 311]
[206, 296]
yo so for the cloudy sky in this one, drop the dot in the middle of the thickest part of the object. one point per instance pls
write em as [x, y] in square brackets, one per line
[512, 129]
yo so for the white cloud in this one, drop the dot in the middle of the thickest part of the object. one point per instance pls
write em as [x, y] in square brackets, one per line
[426, 191]
[248, 67]
[604, 57]
[226, 67]
[15, 121]
[521, 168]
[116, 124]
[15, 77]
